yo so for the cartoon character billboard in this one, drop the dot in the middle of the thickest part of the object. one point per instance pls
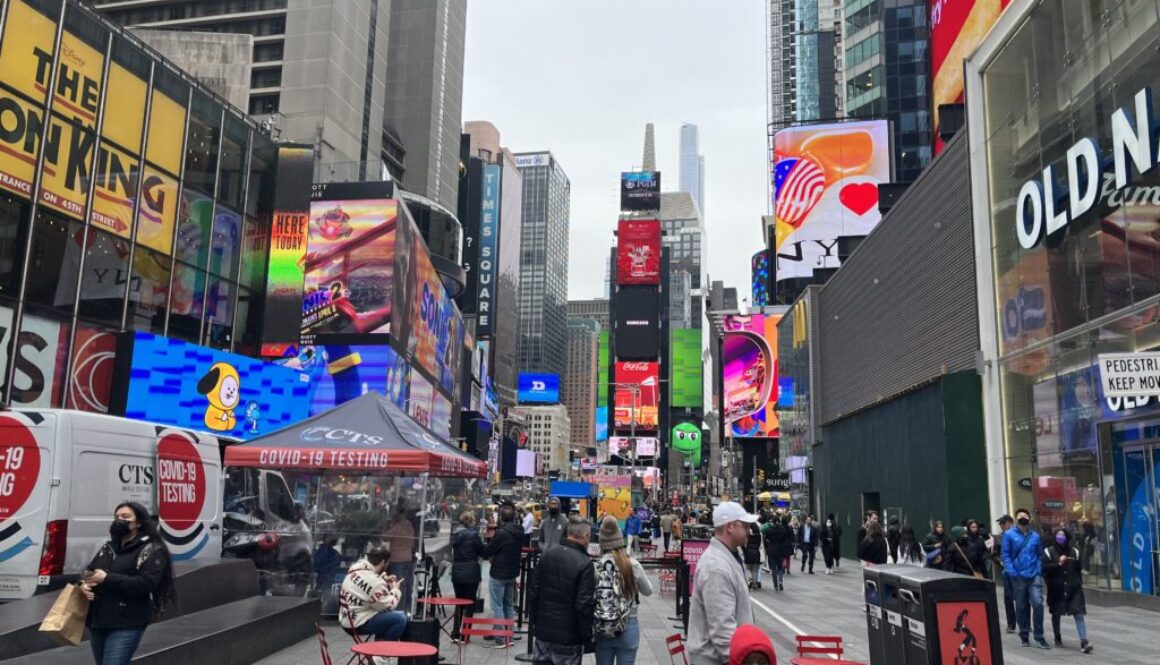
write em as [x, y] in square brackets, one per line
[686, 439]
[749, 367]
[340, 373]
[172, 382]
[825, 183]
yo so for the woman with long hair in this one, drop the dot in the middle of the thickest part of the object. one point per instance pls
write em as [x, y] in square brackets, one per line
[872, 549]
[129, 583]
[909, 550]
[620, 580]
[937, 545]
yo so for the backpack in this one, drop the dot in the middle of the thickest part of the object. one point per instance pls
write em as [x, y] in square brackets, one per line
[612, 608]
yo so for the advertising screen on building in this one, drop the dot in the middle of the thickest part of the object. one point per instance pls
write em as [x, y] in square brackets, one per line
[749, 366]
[602, 359]
[640, 191]
[638, 323]
[487, 270]
[686, 368]
[350, 270]
[759, 274]
[341, 373]
[825, 181]
[601, 424]
[637, 392]
[289, 237]
[525, 464]
[172, 382]
[539, 388]
[957, 27]
[638, 251]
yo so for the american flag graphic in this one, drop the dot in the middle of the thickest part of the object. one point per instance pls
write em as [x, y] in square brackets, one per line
[799, 184]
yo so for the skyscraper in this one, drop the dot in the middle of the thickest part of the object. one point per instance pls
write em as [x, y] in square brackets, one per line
[318, 73]
[692, 165]
[595, 309]
[887, 63]
[424, 104]
[818, 59]
[543, 264]
[683, 231]
[579, 382]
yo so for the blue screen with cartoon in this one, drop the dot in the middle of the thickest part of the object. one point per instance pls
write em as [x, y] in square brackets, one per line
[177, 383]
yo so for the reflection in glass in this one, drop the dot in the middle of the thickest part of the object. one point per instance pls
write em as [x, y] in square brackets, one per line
[48, 283]
[106, 276]
[148, 300]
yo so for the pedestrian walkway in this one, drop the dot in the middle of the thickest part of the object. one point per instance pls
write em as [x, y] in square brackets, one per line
[816, 604]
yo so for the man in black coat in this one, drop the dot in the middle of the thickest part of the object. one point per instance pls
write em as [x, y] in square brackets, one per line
[808, 542]
[504, 551]
[562, 599]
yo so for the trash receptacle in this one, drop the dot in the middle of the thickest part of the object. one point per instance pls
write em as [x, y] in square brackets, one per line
[875, 621]
[893, 640]
[948, 618]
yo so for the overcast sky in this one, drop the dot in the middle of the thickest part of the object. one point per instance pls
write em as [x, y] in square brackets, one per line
[581, 78]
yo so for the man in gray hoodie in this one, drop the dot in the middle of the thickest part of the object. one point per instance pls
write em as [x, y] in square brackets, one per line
[720, 600]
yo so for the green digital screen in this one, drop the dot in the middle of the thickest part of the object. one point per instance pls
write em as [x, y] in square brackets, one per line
[602, 371]
[685, 369]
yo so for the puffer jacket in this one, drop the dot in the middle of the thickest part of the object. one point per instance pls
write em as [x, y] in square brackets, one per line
[562, 601]
[466, 548]
[1022, 554]
[504, 550]
[364, 594]
[1064, 583]
[133, 573]
[779, 540]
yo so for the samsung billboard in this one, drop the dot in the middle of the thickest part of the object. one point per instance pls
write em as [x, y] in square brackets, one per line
[637, 323]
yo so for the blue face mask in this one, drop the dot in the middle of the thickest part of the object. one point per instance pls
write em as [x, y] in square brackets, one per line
[1061, 539]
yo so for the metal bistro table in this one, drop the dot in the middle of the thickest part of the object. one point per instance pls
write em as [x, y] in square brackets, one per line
[367, 651]
[447, 601]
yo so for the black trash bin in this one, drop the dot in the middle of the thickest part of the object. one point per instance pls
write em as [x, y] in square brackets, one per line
[875, 619]
[893, 639]
[948, 618]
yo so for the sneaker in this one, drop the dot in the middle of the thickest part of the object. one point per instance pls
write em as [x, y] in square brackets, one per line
[1059, 642]
[1011, 630]
[1024, 643]
[1085, 646]
[1042, 644]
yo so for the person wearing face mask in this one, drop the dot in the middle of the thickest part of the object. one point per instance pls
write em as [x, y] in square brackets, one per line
[129, 582]
[1021, 551]
[553, 527]
[829, 540]
[1063, 576]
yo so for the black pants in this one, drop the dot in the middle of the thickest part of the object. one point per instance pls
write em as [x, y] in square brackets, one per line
[828, 555]
[809, 552]
[468, 591]
[667, 536]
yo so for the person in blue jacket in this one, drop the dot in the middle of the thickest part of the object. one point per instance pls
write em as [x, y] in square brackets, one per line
[632, 531]
[1022, 555]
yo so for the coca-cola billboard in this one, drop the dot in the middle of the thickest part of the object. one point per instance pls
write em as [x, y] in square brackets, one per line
[637, 394]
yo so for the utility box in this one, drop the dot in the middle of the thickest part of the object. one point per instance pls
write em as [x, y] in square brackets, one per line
[893, 638]
[875, 618]
[947, 618]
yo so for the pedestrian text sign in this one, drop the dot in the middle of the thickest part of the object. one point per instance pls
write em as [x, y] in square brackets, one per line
[1130, 374]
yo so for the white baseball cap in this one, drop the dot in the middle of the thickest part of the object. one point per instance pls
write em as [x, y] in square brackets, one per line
[731, 511]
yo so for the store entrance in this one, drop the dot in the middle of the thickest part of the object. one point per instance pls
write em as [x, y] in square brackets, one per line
[1139, 516]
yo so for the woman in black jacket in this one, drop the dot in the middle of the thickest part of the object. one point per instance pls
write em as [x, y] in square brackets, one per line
[829, 539]
[961, 557]
[128, 583]
[937, 539]
[1063, 576]
[466, 549]
[872, 549]
[752, 554]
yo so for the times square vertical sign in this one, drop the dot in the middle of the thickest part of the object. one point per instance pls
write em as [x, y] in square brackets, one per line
[488, 242]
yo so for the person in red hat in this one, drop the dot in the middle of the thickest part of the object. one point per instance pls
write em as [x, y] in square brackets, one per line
[751, 646]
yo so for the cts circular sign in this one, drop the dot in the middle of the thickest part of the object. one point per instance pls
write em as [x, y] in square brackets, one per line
[19, 466]
[180, 482]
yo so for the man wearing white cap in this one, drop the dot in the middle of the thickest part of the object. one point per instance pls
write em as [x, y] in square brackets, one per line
[720, 588]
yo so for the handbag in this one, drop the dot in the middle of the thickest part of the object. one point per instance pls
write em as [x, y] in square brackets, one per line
[65, 621]
[974, 572]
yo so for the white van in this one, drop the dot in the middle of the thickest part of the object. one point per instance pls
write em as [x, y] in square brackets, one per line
[62, 473]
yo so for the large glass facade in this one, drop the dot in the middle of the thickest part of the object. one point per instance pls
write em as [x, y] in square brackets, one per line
[135, 206]
[1076, 457]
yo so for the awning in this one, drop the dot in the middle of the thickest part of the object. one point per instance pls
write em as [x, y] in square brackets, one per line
[367, 434]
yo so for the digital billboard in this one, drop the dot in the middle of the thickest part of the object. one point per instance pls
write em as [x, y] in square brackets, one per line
[487, 270]
[602, 360]
[601, 424]
[349, 276]
[435, 338]
[172, 382]
[825, 183]
[339, 373]
[638, 325]
[637, 391]
[957, 27]
[640, 191]
[289, 238]
[525, 464]
[538, 388]
[638, 251]
[685, 369]
[759, 278]
[622, 446]
[749, 367]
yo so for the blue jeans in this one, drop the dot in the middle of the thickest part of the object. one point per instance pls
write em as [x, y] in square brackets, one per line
[385, 625]
[1029, 606]
[621, 649]
[406, 572]
[114, 647]
[503, 600]
[1080, 626]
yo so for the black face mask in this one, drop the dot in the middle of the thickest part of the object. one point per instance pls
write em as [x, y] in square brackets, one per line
[1023, 521]
[119, 529]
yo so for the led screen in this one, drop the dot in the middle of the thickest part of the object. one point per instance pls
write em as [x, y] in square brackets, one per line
[539, 388]
[749, 361]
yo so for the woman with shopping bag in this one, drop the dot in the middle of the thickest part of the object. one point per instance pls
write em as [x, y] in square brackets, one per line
[129, 583]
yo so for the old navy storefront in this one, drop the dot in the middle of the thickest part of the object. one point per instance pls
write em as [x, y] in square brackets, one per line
[1066, 192]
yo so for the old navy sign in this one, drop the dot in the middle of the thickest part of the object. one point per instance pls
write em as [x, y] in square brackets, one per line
[488, 243]
[1045, 206]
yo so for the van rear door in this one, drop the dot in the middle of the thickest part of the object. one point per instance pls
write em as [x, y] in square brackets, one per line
[27, 453]
[189, 494]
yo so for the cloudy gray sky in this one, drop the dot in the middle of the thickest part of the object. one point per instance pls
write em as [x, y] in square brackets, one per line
[582, 77]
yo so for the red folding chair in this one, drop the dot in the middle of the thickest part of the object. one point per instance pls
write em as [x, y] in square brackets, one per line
[829, 646]
[648, 551]
[486, 627]
[322, 646]
[352, 631]
[676, 646]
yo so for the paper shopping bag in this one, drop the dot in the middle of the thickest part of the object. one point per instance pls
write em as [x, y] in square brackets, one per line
[65, 622]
